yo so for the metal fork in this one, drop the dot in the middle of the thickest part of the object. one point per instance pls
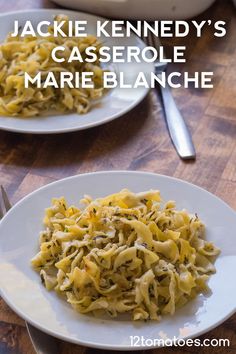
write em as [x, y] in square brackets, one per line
[178, 130]
[42, 342]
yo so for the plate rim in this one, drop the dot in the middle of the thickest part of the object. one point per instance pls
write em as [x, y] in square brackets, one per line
[120, 114]
[99, 345]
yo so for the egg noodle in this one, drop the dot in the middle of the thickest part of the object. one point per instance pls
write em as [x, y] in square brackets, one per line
[32, 55]
[124, 253]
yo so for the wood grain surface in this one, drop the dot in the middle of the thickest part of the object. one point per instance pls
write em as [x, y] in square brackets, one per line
[137, 141]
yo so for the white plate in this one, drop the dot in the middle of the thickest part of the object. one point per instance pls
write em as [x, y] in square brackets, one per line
[150, 10]
[23, 291]
[118, 102]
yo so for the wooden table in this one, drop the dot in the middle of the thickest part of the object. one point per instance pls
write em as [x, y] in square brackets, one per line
[138, 141]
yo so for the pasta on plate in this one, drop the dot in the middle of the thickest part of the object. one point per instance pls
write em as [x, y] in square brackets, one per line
[126, 252]
[33, 55]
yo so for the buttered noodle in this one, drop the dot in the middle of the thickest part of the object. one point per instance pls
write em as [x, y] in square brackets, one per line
[32, 55]
[124, 253]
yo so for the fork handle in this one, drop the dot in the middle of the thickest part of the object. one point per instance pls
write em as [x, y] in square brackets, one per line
[42, 343]
[178, 130]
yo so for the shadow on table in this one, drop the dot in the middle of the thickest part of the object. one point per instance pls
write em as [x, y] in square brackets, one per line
[29, 150]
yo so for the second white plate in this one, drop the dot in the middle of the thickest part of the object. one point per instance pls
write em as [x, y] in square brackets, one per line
[21, 288]
[115, 104]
